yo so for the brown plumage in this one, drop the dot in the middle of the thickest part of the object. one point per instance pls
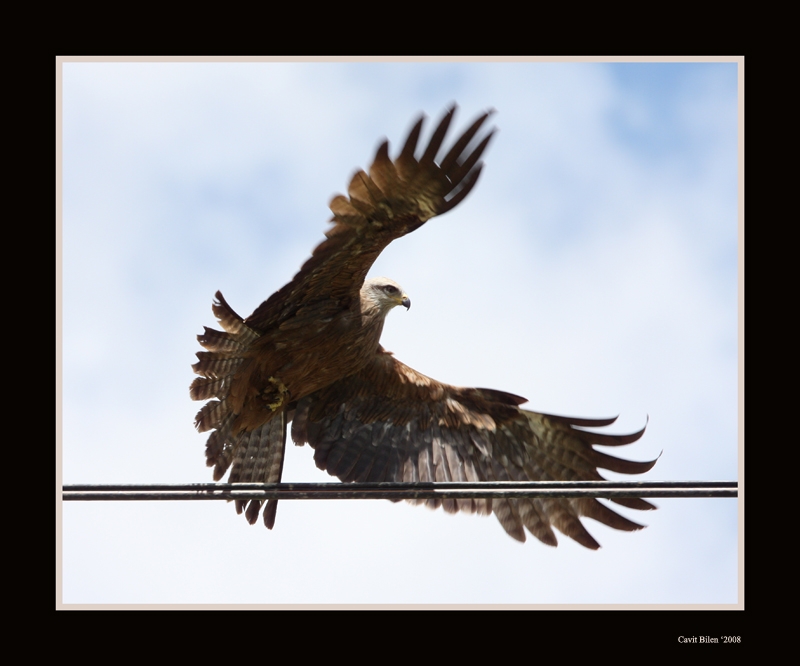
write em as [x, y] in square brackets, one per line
[311, 354]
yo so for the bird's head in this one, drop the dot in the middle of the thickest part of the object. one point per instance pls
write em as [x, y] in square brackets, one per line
[384, 294]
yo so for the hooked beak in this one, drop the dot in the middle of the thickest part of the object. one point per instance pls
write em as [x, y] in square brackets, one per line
[406, 302]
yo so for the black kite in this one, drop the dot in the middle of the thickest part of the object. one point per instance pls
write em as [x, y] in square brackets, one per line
[311, 354]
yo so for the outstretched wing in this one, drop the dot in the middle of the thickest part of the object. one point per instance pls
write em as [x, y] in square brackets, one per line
[391, 423]
[396, 198]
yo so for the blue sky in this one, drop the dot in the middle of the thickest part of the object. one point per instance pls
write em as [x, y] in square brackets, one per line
[593, 270]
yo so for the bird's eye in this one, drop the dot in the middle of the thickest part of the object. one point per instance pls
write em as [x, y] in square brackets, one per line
[389, 289]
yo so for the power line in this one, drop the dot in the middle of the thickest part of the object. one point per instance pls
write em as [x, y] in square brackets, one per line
[399, 491]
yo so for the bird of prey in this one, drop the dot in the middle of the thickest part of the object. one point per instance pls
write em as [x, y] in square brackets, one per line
[311, 355]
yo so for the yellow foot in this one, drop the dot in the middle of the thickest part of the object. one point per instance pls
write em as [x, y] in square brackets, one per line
[282, 393]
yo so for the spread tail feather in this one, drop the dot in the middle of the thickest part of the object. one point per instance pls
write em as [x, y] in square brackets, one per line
[259, 459]
[257, 455]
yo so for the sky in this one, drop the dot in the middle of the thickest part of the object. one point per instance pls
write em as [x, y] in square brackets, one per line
[593, 270]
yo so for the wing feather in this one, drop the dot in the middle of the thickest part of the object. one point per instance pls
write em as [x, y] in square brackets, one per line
[403, 426]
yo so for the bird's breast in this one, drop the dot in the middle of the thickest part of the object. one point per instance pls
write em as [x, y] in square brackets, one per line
[305, 354]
